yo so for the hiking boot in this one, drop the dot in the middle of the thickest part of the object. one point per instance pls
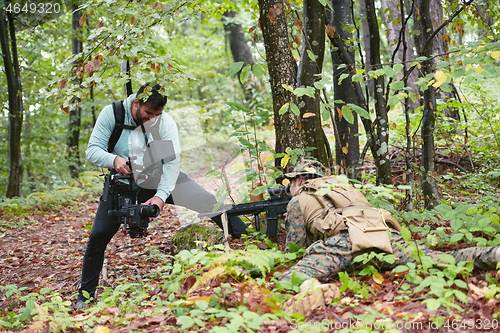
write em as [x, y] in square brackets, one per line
[78, 306]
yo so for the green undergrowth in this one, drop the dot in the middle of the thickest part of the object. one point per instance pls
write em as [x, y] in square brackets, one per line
[212, 290]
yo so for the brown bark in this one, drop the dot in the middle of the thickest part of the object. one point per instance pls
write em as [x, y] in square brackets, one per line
[282, 71]
[424, 47]
[310, 67]
[75, 112]
[14, 88]
[346, 139]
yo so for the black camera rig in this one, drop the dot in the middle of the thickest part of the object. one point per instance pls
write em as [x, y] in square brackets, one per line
[121, 192]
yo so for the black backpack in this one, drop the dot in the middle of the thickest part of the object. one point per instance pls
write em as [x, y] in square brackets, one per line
[119, 111]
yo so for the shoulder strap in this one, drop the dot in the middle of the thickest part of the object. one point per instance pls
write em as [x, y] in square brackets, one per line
[119, 111]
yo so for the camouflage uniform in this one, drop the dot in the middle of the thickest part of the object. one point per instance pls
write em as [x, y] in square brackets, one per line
[325, 257]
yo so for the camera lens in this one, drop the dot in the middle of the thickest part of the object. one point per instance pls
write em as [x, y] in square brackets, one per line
[150, 211]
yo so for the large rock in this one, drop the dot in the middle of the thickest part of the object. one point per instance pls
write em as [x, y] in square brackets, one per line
[196, 236]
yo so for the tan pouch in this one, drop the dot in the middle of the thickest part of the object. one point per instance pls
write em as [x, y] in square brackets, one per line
[367, 228]
[328, 225]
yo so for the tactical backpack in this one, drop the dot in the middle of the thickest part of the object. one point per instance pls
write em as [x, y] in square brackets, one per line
[345, 207]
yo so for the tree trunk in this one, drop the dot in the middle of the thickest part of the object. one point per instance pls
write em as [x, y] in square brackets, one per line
[365, 37]
[341, 49]
[424, 46]
[401, 46]
[381, 156]
[282, 71]
[310, 67]
[346, 138]
[14, 88]
[240, 51]
[75, 111]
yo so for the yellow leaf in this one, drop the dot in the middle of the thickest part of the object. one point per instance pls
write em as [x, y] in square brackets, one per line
[440, 76]
[378, 278]
[495, 54]
[480, 47]
[208, 276]
[198, 298]
[102, 329]
[308, 115]
[284, 161]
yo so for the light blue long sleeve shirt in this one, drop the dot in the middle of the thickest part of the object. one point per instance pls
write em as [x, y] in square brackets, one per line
[97, 149]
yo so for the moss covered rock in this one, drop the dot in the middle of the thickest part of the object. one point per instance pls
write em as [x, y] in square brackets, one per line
[197, 236]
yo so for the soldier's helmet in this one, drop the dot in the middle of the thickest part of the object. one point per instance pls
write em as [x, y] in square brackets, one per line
[307, 169]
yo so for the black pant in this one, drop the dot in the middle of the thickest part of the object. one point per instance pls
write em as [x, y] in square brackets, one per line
[187, 193]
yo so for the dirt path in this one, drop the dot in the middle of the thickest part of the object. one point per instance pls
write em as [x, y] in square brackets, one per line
[48, 253]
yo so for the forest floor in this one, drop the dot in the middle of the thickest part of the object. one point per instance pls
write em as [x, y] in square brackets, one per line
[47, 253]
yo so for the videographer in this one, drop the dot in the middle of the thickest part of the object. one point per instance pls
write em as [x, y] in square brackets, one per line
[174, 187]
[137, 112]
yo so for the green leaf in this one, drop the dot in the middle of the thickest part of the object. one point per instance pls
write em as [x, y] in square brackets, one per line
[447, 257]
[360, 111]
[461, 284]
[203, 305]
[295, 109]
[393, 100]
[311, 56]
[245, 73]
[432, 304]
[398, 67]
[185, 322]
[238, 106]
[258, 70]
[397, 85]
[357, 78]
[456, 237]
[293, 247]
[342, 77]
[443, 64]
[347, 114]
[284, 108]
[456, 224]
[234, 68]
[309, 91]
[406, 234]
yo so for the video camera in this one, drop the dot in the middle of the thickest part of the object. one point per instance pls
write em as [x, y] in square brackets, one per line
[124, 205]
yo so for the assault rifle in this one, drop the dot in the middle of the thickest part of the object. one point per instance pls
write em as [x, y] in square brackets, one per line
[273, 207]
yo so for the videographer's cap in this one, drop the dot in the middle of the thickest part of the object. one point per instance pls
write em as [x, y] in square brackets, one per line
[307, 169]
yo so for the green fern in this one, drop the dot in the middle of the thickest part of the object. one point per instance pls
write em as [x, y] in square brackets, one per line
[255, 260]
